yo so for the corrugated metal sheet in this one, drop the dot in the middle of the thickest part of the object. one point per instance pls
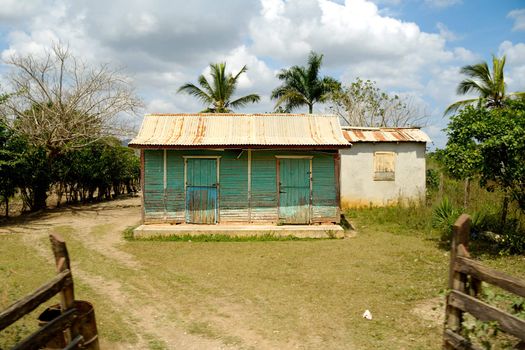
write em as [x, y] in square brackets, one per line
[385, 135]
[190, 130]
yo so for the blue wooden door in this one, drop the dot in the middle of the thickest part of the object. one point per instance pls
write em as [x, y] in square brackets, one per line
[201, 191]
[294, 190]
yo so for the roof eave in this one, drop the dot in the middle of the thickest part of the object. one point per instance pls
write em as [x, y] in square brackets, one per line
[188, 147]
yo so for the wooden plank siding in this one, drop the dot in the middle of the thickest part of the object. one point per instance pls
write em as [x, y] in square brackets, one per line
[264, 187]
[154, 204]
[233, 206]
[175, 201]
[324, 190]
[166, 202]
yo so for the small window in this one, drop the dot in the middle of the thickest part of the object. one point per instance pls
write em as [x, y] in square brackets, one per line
[384, 166]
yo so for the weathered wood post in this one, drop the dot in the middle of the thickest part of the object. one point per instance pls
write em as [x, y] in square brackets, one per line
[84, 328]
[456, 280]
[67, 295]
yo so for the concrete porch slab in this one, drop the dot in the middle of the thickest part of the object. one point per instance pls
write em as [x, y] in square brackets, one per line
[239, 230]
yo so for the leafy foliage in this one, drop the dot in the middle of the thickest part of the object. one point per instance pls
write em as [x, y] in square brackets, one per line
[302, 86]
[9, 165]
[490, 142]
[217, 94]
[102, 168]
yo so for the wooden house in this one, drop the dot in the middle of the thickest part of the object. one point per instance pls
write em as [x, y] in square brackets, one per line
[240, 168]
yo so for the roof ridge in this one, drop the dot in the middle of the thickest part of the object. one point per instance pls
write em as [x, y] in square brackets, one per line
[237, 114]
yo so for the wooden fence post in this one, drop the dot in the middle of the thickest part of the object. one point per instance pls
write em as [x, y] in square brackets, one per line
[67, 295]
[84, 330]
[457, 281]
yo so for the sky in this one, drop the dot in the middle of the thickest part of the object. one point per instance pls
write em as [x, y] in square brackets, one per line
[410, 47]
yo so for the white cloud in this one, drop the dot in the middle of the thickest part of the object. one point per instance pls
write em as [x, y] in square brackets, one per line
[519, 19]
[353, 36]
[446, 33]
[15, 10]
[464, 55]
[515, 65]
[162, 45]
[158, 105]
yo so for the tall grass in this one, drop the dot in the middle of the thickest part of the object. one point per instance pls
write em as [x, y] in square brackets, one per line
[444, 202]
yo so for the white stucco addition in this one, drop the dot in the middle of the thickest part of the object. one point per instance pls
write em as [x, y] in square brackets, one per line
[383, 173]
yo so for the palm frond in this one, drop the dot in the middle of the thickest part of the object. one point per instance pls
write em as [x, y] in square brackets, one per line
[453, 108]
[479, 71]
[498, 66]
[468, 85]
[204, 83]
[292, 100]
[244, 69]
[195, 91]
[314, 65]
[243, 101]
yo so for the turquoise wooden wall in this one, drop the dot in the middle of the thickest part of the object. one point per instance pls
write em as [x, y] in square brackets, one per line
[168, 205]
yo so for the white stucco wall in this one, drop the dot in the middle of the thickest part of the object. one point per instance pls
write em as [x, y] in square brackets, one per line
[358, 187]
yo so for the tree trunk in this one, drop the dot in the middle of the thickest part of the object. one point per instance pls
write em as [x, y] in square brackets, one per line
[6, 198]
[310, 108]
[60, 193]
[466, 193]
[504, 210]
[441, 184]
[39, 200]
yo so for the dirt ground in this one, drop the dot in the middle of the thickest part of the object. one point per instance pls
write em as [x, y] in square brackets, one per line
[198, 297]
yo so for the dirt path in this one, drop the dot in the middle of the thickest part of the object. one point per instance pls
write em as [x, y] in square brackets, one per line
[99, 228]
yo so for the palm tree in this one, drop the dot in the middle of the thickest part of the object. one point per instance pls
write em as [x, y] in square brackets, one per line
[302, 86]
[490, 86]
[217, 94]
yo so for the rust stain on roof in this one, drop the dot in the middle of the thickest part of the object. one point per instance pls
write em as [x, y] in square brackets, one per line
[355, 134]
[205, 129]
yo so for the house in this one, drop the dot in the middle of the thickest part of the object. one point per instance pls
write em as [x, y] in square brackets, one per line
[384, 166]
[240, 168]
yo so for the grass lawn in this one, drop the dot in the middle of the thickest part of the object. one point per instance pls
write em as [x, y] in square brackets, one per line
[247, 295]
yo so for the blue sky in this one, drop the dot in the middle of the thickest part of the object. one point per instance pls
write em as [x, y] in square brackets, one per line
[413, 47]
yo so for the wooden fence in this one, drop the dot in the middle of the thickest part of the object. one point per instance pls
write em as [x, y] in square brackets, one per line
[74, 327]
[465, 280]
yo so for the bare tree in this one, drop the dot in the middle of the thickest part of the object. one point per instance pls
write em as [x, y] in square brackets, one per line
[62, 102]
[364, 104]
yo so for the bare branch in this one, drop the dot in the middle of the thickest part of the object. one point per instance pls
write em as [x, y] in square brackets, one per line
[364, 104]
[61, 101]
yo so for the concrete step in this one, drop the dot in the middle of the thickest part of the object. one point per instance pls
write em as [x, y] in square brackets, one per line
[301, 231]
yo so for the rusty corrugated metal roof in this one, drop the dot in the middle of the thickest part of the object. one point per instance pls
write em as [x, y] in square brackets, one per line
[356, 134]
[230, 130]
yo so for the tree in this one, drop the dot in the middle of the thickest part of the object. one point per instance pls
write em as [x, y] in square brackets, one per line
[490, 86]
[217, 94]
[491, 143]
[62, 102]
[362, 103]
[302, 86]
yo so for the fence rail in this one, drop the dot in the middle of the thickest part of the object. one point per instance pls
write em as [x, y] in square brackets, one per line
[70, 325]
[465, 279]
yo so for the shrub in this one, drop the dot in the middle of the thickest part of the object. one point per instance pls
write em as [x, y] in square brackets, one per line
[444, 216]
